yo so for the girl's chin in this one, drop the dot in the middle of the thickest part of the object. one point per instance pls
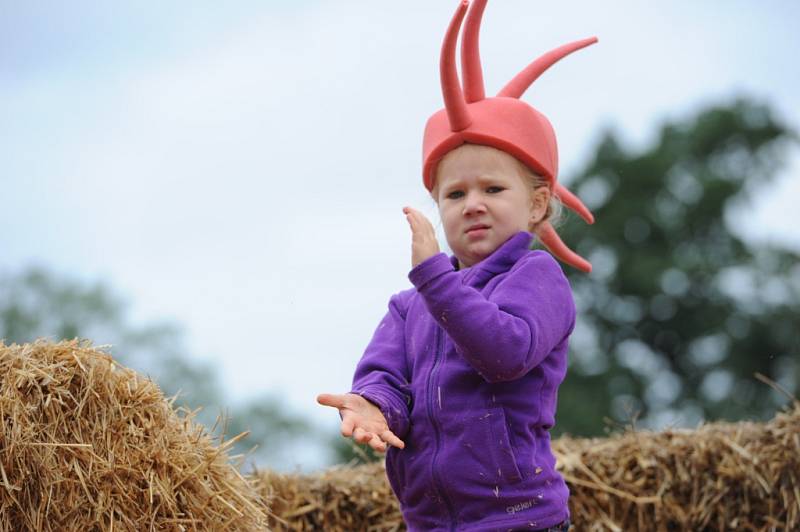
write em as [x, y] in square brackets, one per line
[473, 255]
[479, 248]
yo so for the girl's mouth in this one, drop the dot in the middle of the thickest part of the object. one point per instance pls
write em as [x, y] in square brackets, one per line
[478, 231]
[473, 227]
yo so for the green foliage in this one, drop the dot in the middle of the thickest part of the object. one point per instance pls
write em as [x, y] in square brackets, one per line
[36, 304]
[272, 430]
[347, 451]
[680, 311]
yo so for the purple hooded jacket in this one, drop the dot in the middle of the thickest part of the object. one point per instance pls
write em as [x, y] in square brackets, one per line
[465, 367]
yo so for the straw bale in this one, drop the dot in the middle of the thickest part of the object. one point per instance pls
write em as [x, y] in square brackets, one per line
[721, 476]
[88, 445]
[339, 499]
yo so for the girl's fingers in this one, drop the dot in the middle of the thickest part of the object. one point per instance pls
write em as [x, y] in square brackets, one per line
[412, 215]
[347, 427]
[421, 227]
[417, 219]
[389, 437]
[377, 444]
[361, 436]
[424, 223]
[411, 221]
[328, 399]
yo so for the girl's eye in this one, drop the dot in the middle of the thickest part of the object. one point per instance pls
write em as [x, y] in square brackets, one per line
[455, 194]
[494, 190]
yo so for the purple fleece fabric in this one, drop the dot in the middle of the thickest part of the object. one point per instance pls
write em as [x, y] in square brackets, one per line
[466, 367]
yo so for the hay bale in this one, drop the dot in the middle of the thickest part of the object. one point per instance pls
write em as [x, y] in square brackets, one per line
[340, 499]
[722, 476]
[88, 445]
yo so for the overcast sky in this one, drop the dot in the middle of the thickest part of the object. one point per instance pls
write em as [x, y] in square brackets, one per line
[242, 168]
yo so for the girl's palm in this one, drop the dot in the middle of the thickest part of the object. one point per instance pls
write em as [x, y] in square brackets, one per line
[362, 420]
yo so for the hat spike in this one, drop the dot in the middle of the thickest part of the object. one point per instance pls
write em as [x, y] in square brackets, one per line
[457, 112]
[573, 202]
[550, 238]
[470, 54]
[517, 86]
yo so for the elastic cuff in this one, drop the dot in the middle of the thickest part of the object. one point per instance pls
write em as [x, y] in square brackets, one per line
[430, 269]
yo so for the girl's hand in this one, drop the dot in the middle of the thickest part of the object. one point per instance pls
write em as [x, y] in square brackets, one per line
[362, 420]
[423, 237]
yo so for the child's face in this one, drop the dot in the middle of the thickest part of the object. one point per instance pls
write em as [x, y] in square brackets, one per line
[479, 185]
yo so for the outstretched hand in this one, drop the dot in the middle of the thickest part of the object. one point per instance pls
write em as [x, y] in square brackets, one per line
[362, 420]
[423, 237]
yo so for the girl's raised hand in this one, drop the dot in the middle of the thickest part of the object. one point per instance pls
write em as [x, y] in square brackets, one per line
[362, 420]
[423, 237]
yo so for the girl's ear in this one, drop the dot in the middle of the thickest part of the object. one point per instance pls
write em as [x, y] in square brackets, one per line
[540, 199]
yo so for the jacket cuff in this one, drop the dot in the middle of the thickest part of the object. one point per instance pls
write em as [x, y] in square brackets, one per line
[430, 269]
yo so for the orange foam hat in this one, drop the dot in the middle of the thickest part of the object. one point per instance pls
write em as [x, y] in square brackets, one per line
[504, 122]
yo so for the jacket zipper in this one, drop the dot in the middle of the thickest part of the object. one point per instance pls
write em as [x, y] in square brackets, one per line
[436, 480]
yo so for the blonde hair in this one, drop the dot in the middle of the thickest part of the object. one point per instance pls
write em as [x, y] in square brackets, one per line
[554, 211]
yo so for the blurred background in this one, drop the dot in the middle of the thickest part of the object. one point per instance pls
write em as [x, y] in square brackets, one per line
[216, 193]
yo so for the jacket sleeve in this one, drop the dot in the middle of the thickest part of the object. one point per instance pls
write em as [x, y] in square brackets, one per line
[509, 333]
[382, 375]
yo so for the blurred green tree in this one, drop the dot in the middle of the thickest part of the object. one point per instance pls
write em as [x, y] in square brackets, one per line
[37, 304]
[347, 451]
[681, 311]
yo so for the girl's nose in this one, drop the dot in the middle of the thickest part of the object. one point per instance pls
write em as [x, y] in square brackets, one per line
[474, 204]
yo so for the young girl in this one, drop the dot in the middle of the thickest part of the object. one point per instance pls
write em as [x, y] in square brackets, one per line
[461, 376]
